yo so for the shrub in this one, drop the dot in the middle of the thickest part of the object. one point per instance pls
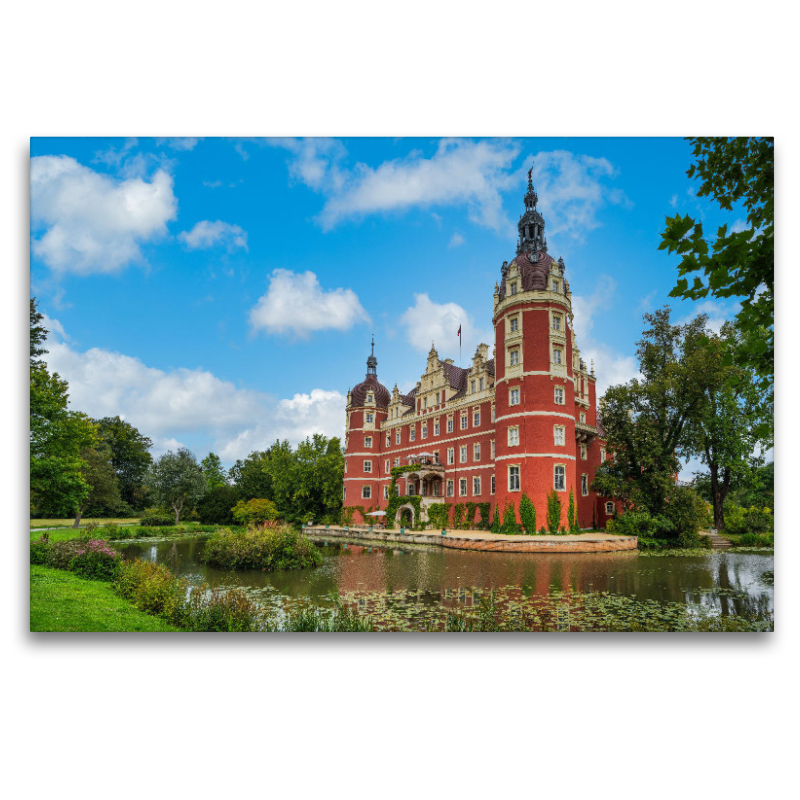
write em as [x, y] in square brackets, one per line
[255, 511]
[96, 560]
[152, 520]
[685, 513]
[40, 550]
[572, 515]
[485, 520]
[496, 521]
[216, 505]
[509, 519]
[154, 589]
[553, 512]
[543, 531]
[740, 520]
[265, 548]
[438, 514]
[211, 610]
[459, 512]
[61, 553]
[527, 514]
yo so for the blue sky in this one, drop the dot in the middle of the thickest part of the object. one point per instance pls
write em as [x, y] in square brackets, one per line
[221, 293]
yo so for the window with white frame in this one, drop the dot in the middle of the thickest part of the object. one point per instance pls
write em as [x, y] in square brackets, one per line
[583, 417]
[584, 485]
[449, 424]
[492, 484]
[513, 436]
[412, 433]
[602, 454]
[344, 494]
[449, 488]
[397, 462]
[513, 397]
[513, 324]
[366, 492]
[388, 439]
[385, 492]
[513, 287]
[451, 457]
[476, 452]
[558, 435]
[492, 413]
[513, 357]
[435, 456]
[476, 419]
[436, 428]
[557, 355]
[398, 436]
[345, 466]
[472, 386]
[370, 397]
[367, 441]
[609, 507]
[476, 486]
[513, 479]
[555, 285]
[386, 464]
[464, 454]
[560, 478]
[559, 395]
[368, 466]
[464, 421]
[481, 384]
[584, 452]
[492, 448]
[462, 487]
[425, 431]
[425, 402]
[556, 322]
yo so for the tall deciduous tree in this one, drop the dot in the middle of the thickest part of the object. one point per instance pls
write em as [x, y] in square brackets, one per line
[738, 263]
[177, 480]
[645, 421]
[38, 334]
[101, 476]
[130, 455]
[212, 469]
[251, 477]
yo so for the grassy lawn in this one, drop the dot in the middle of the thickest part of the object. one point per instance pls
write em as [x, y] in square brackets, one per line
[63, 534]
[61, 601]
[67, 523]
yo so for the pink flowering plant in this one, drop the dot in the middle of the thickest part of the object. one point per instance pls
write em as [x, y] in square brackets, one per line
[95, 559]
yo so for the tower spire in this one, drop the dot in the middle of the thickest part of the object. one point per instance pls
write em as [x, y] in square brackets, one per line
[372, 362]
[531, 223]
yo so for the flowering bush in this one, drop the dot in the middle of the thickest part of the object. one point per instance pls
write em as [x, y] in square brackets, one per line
[95, 559]
[264, 548]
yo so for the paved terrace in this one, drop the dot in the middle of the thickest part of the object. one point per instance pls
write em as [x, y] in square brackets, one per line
[481, 540]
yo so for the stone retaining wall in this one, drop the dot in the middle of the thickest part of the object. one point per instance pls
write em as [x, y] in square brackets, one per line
[586, 543]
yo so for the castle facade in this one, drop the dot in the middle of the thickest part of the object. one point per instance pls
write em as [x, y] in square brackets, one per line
[523, 420]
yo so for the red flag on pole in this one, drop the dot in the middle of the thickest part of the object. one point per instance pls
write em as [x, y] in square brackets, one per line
[459, 332]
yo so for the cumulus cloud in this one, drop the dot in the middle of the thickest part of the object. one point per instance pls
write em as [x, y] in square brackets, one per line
[455, 240]
[427, 322]
[179, 142]
[610, 367]
[182, 404]
[573, 189]
[206, 234]
[296, 303]
[718, 312]
[316, 162]
[94, 223]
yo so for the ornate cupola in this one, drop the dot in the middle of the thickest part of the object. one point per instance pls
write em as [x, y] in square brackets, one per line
[370, 387]
[372, 362]
[531, 224]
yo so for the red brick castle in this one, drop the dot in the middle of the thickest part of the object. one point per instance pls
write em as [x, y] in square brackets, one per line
[523, 420]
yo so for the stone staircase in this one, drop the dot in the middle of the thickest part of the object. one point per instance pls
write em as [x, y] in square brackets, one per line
[717, 542]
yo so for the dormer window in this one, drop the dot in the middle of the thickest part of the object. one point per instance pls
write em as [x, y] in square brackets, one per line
[555, 285]
[513, 287]
[370, 397]
[472, 387]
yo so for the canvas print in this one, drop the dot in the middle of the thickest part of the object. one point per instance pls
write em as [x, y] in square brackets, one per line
[402, 385]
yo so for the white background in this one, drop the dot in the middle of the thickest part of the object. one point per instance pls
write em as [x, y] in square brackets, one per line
[657, 716]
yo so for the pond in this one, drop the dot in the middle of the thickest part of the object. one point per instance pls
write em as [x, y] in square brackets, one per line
[715, 584]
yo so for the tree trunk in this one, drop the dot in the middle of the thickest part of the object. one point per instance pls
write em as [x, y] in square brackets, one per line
[77, 522]
[177, 514]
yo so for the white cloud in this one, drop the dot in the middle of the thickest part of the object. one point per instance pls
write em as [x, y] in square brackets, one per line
[738, 226]
[427, 322]
[207, 234]
[572, 190]
[181, 404]
[316, 162]
[94, 223]
[610, 367]
[297, 303]
[179, 142]
[673, 201]
[455, 240]
[718, 313]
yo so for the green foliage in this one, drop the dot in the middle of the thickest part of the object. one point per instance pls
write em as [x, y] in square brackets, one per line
[176, 480]
[104, 498]
[130, 457]
[738, 263]
[438, 514]
[40, 549]
[154, 518]
[216, 505]
[395, 500]
[685, 511]
[572, 515]
[543, 531]
[509, 525]
[751, 520]
[266, 548]
[484, 521]
[154, 589]
[252, 477]
[496, 524]
[96, 560]
[527, 514]
[459, 513]
[212, 469]
[38, 335]
[253, 512]
[216, 611]
[553, 512]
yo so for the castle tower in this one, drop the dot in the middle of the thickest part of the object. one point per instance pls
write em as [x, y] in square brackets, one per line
[535, 385]
[367, 405]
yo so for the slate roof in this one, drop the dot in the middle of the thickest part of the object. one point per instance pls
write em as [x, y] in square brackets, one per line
[533, 274]
[382, 394]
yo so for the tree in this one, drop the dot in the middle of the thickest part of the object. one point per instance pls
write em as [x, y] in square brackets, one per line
[509, 519]
[57, 436]
[101, 476]
[254, 511]
[252, 477]
[177, 480]
[527, 514]
[572, 516]
[496, 525]
[212, 469]
[739, 263]
[727, 430]
[130, 455]
[645, 420]
[216, 505]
